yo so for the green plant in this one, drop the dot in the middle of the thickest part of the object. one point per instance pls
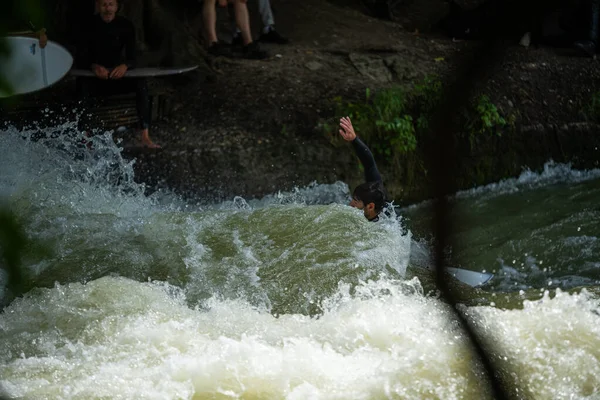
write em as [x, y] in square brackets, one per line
[403, 134]
[428, 93]
[486, 118]
[392, 118]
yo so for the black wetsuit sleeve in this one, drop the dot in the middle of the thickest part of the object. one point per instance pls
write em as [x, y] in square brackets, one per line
[83, 42]
[130, 52]
[366, 158]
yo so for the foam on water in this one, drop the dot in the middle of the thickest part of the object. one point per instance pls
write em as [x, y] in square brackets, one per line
[116, 337]
[58, 172]
[550, 347]
[119, 338]
[552, 173]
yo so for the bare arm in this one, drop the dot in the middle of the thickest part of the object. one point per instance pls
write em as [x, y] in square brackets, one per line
[41, 35]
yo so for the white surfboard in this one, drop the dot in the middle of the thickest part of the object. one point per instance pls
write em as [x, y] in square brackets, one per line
[140, 72]
[29, 68]
[471, 278]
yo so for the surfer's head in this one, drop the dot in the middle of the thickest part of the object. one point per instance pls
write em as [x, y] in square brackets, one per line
[107, 9]
[369, 197]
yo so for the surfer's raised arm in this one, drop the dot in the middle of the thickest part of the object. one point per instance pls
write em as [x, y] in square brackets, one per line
[370, 196]
[362, 151]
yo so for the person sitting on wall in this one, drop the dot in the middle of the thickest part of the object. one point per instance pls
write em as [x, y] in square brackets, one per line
[107, 47]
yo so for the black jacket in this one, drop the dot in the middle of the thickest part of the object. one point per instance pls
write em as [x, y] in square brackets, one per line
[107, 44]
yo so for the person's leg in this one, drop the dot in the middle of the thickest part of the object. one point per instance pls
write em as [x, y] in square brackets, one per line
[266, 14]
[269, 34]
[236, 34]
[209, 16]
[242, 19]
[143, 110]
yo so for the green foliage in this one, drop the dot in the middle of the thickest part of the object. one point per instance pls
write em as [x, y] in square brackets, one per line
[403, 137]
[486, 118]
[483, 118]
[392, 118]
[426, 96]
[428, 93]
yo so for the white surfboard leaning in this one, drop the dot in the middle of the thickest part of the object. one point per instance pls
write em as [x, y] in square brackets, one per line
[471, 278]
[29, 68]
[140, 72]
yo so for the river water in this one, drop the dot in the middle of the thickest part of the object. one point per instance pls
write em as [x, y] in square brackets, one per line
[294, 296]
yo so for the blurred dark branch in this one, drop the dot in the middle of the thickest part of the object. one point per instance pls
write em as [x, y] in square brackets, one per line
[444, 128]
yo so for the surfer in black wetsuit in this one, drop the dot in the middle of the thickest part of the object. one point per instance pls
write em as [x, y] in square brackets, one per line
[107, 47]
[370, 196]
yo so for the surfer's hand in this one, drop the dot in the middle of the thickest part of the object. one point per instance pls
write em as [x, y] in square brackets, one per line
[347, 130]
[100, 71]
[118, 72]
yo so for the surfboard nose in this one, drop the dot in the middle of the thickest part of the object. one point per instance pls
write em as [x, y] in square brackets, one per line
[29, 68]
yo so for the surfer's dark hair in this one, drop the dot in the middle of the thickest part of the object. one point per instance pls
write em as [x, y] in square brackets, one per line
[371, 192]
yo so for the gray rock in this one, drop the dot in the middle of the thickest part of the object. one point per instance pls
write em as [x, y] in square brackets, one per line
[314, 65]
[404, 68]
[371, 66]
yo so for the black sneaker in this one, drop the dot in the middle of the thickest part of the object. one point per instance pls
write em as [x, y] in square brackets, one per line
[273, 37]
[252, 51]
[219, 49]
[237, 41]
[588, 47]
